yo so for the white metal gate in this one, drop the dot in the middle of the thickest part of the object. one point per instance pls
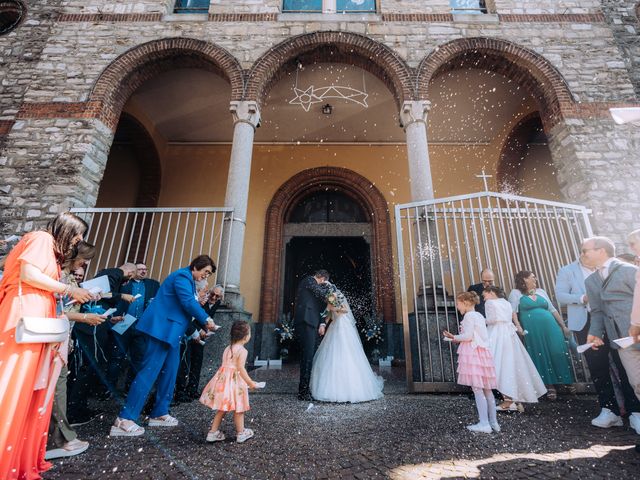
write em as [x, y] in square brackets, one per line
[164, 238]
[443, 245]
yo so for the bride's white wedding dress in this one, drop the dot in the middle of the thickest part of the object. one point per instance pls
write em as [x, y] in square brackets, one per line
[341, 371]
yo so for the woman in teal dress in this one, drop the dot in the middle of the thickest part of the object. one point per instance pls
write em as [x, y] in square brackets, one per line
[546, 332]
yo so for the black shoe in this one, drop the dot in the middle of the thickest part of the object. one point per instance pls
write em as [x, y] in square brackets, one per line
[83, 417]
[305, 397]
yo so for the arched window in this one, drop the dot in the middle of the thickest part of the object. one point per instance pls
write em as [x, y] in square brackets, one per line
[12, 12]
[328, 206]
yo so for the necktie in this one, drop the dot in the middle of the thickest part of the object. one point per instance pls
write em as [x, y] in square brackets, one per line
[603, 272]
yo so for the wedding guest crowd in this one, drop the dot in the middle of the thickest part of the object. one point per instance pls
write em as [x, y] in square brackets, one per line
[518, 346]
[41, 277]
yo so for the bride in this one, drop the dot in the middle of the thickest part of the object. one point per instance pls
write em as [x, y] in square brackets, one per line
[341, 371]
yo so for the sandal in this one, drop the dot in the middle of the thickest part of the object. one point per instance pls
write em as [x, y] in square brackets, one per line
[163, 421]
[552, 395]
[125, 428]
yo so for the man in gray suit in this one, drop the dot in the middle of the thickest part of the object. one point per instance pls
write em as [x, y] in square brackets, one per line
[610, 294]
[571, 291]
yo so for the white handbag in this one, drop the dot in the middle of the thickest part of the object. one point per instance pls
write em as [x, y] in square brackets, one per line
[40, 329]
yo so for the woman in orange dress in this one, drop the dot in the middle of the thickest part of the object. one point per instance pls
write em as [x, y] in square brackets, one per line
[27, 369]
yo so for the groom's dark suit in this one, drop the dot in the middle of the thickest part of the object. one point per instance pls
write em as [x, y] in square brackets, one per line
[310, 303]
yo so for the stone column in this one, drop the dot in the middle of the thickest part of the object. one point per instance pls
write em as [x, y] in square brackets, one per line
[413, 116]
[246, 118]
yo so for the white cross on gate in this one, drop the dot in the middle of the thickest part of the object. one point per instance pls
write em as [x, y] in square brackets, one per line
[484, 177]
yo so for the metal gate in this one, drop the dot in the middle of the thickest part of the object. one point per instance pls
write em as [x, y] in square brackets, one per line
[443, 245]
[164, 238]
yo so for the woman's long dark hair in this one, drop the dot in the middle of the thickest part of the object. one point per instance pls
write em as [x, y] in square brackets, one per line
[519, 280]
[83, 250]
[64, 228]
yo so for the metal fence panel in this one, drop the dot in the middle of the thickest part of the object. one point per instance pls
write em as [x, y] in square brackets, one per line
[164, 238]
[442, 246]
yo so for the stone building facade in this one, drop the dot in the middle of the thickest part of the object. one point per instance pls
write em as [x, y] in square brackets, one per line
[69, 67]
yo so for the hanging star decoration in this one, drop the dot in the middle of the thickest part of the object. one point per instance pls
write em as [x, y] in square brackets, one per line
[312, 95]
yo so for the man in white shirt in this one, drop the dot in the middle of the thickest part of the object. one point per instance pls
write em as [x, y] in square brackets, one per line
[610, 294]
[571, 291]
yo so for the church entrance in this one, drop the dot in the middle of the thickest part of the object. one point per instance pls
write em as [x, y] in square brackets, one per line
[347, 259]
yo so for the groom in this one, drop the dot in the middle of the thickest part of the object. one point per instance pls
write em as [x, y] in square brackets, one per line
[310, 303]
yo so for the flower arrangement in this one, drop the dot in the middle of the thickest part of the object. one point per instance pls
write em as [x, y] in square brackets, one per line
[285, 328]
[371, 327]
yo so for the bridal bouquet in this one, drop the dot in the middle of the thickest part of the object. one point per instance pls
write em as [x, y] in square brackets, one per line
[285, 329]
[334, 298]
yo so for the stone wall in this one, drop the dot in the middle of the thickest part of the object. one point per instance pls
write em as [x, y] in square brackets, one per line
[117, 6]
[20, 50]
[547, 6]
[77, 52]
[623, 20]
[597, 163]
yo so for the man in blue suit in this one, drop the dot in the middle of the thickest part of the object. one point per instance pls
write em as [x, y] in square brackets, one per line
[571, 291]
[164, 323]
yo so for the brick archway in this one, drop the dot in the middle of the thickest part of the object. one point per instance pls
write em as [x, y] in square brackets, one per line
[514, 147]
[338, 47]
[529, 69]
[362, 191]
[125, 74]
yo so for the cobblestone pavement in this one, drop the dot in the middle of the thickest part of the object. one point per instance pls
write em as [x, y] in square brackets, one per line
[401, 436]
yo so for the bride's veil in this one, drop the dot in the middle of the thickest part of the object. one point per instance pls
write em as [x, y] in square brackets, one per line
[345, 304]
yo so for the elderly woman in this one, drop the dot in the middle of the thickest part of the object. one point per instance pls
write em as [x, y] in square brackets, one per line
[27, 370]
[546, 332]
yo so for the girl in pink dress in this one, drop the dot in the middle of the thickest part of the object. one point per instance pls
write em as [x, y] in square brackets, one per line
[475, 362]
[228, 390]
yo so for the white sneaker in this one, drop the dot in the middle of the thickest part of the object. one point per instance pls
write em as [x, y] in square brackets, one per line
[216, 436]
[634, 422]
[608, 419]
[480, 428]
[244, 436]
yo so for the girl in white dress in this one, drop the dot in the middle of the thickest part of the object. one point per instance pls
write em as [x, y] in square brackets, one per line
[518, 378]
[341, 371]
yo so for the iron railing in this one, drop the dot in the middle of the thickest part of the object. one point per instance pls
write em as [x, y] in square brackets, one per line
[444, 244]
[164, 238]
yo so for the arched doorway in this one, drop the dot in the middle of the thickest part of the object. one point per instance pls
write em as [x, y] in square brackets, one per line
[292, 244]
[329, 229]
[132, 176]
[525, 166]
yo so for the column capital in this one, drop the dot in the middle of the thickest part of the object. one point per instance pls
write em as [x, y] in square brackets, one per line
[245, 112]
[414, 111]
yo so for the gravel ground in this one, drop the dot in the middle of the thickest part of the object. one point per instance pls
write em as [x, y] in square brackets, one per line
[401, 436]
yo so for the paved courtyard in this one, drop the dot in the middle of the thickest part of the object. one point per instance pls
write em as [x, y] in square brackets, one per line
[401, 436]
